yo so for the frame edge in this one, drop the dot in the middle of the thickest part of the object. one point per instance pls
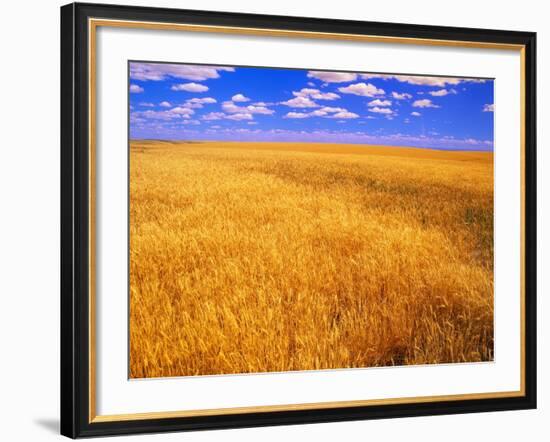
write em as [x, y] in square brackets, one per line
[74, 222]
[68, 401]
[530, 213]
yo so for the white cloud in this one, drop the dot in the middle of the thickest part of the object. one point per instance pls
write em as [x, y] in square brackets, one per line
[161, 71]
[316, 94]
[403, 96]
[332, 77]
[428, 81]
[297, 115]
[147, 104]
[318, 113]
[488, 108]
[185, 112]
[240, 116]
[311, 84]
[234, 112]
[381, 110]
[232, 108]
[442, 92]
[344, 115]
[471, 141]
[205, 100]
[213, 116]
[327, 112]
[190, 87]
[329, 109]
[416, 114]
[362, 89]
[378, 102]
[259, 110]
[239, 98]
[136, 89]
[165, 104]
[171, 114]
[381, 76]
[325, 96]
[417, 79]
[424, 103]
[197, 103]
[300, 102]
[424, 80]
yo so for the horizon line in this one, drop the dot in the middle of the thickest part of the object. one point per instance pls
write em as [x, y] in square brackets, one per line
[201, 140]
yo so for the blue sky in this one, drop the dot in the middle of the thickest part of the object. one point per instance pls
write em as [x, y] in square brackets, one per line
[199, 102]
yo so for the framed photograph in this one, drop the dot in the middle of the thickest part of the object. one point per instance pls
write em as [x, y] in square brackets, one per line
[276, 220]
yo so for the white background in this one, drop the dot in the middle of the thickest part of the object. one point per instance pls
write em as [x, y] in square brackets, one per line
[29, 222]
[115, 395]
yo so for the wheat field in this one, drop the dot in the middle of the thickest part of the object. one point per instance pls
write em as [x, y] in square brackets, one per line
[266, 257]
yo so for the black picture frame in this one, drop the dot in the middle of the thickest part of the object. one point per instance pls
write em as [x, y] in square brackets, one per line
[75, 219]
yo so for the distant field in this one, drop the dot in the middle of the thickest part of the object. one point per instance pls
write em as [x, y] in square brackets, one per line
[255, 257]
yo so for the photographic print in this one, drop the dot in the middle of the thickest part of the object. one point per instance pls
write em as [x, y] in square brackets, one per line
[294, 219]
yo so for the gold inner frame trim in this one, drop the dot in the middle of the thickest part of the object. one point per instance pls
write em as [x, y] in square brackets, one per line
[93, 24]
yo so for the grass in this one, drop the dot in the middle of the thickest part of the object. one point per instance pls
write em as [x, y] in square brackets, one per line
[257, 257]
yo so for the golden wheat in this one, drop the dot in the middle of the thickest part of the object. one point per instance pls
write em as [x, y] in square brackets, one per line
[255, 257]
